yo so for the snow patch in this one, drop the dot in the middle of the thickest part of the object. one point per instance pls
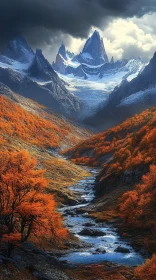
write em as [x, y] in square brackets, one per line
[139, 97]
[15, 65]
[86, 56]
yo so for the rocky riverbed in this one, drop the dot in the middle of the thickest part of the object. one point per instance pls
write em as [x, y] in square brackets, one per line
[101, 240]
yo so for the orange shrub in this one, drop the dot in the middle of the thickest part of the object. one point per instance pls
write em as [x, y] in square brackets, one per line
[138, 207]
[147, 271]
[131, 144]
[19, 123]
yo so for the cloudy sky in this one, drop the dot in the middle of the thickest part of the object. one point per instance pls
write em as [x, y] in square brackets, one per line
[127, 26]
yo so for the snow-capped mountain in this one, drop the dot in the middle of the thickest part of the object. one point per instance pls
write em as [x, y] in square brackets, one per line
[40, 67]
[129, 98]
[62, 51]
[93, 63]
[18, 50]
[32, 76]
[91, 76]
[94, 52]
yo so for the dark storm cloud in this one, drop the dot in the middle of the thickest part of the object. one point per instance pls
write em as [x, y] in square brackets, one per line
[39, 19]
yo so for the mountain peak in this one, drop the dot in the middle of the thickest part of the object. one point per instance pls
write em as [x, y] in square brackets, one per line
[62, 51]
[95, 48]
[59, 64]
[40, 67]
[39, 51]
[96, 34]
[18, 49]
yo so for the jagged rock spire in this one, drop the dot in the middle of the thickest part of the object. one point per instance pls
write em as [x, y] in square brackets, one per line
[62, 51]
[112, 60]
[95, 48]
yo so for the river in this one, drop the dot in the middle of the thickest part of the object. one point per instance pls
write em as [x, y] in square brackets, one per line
[104, 243]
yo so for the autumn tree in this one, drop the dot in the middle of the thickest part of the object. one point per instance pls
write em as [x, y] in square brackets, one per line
[147, 271]
[25, 209]
[138, 207]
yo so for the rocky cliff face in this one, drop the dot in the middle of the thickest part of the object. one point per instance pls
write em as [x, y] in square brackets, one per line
[94, 52]
[61, 60]
[62, 51]
[59, 65]
[40, 67]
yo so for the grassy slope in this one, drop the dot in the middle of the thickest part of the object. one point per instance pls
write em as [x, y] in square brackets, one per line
[27, 125]
[74, 133]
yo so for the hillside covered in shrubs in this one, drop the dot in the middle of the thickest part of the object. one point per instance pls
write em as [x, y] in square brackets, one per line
[126, 184]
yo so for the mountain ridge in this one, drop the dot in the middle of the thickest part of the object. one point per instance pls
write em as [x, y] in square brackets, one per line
[31, 75]
[92, 62]
[127, 99]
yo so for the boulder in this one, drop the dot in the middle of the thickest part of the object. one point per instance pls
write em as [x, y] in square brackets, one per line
[100, 251]
[120, 249]
[89, 224]
[91, 232]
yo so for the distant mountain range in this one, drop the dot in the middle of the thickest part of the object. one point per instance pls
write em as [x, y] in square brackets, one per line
[32, 76]
[29, 74]
[127, 99]
[93, 62]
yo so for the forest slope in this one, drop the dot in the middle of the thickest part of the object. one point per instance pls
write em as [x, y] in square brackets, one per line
[26, 125]
[125, 186]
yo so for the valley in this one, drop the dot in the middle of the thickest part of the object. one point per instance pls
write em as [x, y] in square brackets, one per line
[77, 164]
[97, 240]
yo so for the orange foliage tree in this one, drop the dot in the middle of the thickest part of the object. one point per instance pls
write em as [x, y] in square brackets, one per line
[25, 209]
[138, 207]
[147, 271]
